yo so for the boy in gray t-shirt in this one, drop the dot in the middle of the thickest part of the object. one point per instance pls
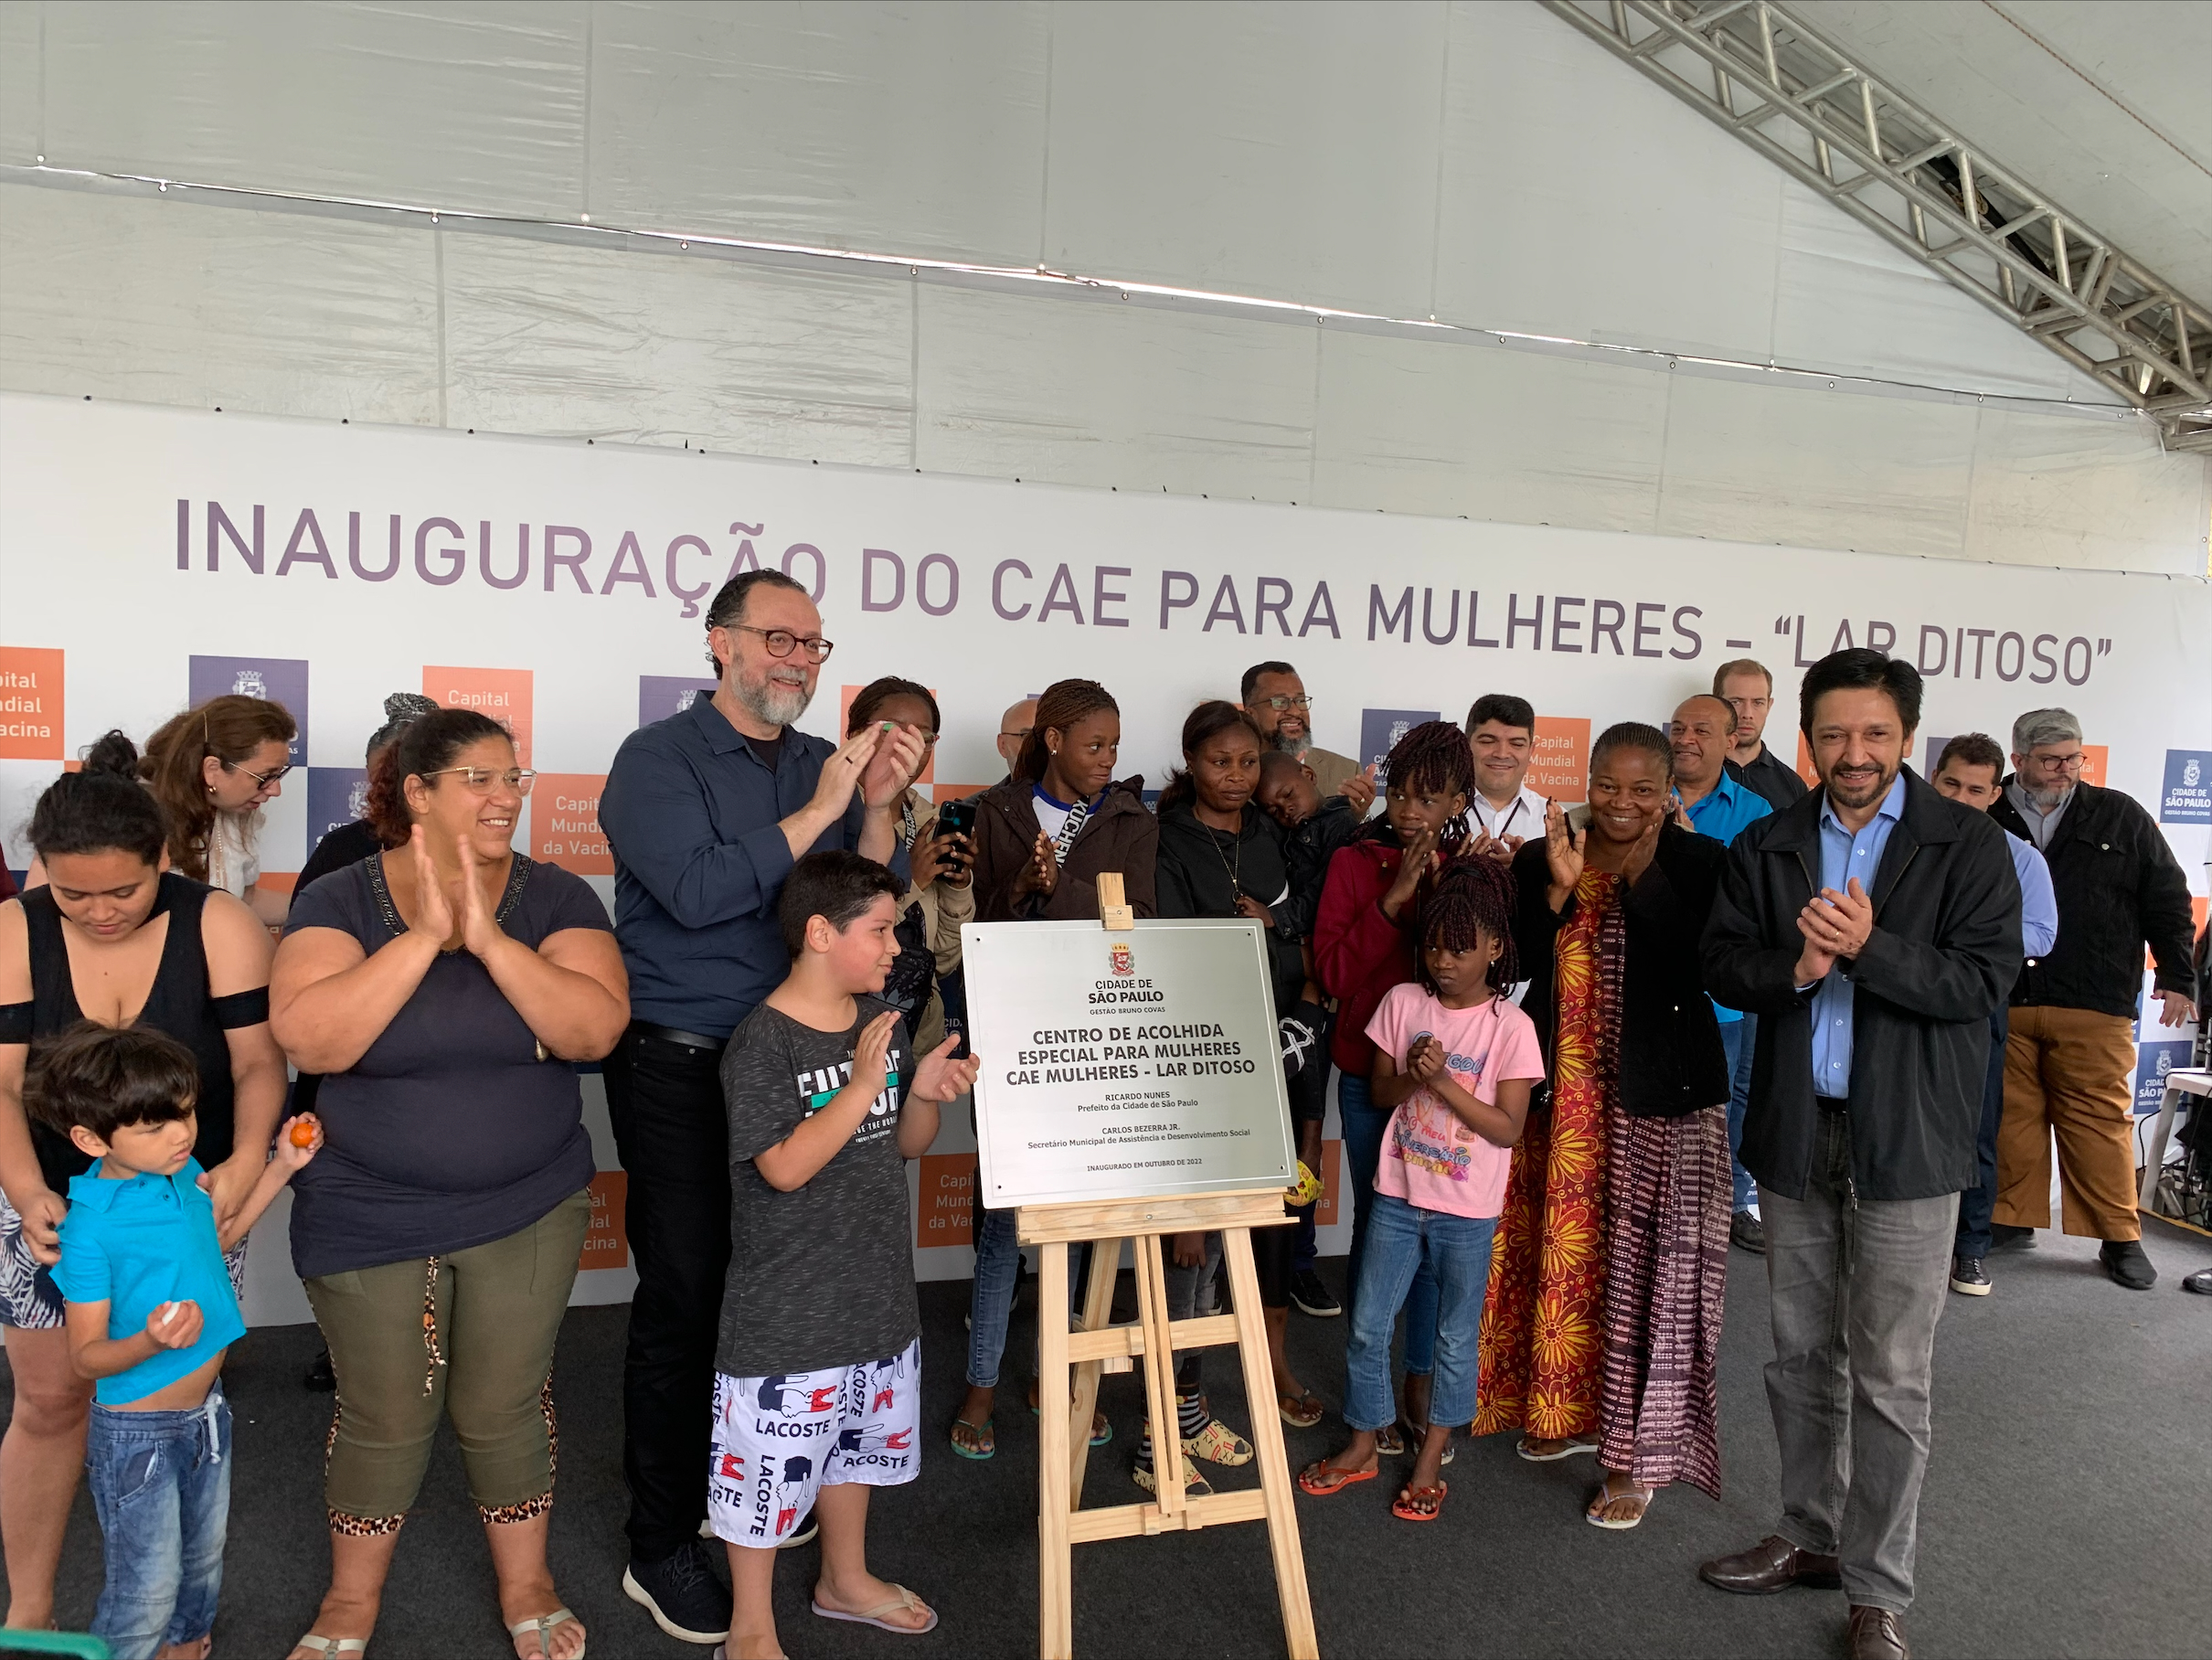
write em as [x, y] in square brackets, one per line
[819, 1358]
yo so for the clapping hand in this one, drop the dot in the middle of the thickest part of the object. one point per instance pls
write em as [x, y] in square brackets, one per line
[843, 771]
[1359, 791]
[895, 765]
[1562, 853]
[872, 1054]
[1042, 873]
[1425, 1060]
[480, 929]
[1838, 924]
[1418, 859]
[940, 1078]
[1641, 851]
[434, 911]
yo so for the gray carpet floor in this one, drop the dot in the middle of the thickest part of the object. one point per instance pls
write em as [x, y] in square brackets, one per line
[2065, 1512]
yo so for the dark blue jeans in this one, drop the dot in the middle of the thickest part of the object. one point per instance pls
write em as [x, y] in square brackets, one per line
[1454, 1251]
[1365, 1126]
[1737, 1039]
[160, 1486]
[1977, 1201]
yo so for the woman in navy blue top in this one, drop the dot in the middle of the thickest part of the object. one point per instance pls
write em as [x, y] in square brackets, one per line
[442, 988]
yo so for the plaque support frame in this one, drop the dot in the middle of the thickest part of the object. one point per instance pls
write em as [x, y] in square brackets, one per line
[1074, 1351]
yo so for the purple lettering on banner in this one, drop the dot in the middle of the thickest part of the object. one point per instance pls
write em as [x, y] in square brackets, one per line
[1604, 628]
[921, 585]
[1278, 608]
[573, 563]
[1561, 626]
[1516, 621]
[1692, 635]
[745, 559]
[1843, 641]
[459, 556]
[296, 552]
[336, 796]
[353, 551]
[2067, 661]
[484, 555]
[1169, 601]
[1474, 607]
[868, 558]
[661, 696]
[1320, 612]
[690, 596]
[1452, 628]
[1942, 650]
[1225, 607]
[219, 526]
[1102, 596]
[1395, 619]
[1880, 636]
[280, 680]
[1059, 595]
[999, 586]
[628, 566]
[2044, 660]
[1379, 730]
[1641, 631]
[184, 533]
[821, 582]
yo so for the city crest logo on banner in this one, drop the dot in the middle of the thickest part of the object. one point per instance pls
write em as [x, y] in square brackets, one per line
[2187, 796]
[279, 679]
[2154, 1061]
[661, 696]
[30, 703]
[335, 795]
[1379, 730]
[1122, 958]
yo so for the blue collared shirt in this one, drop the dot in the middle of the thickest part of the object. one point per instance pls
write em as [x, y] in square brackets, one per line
[1721, 813]
[2038, 902]
[1842, 858]
[135, 1245]
[691, 813]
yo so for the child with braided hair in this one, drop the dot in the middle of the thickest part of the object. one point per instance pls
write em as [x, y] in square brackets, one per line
[1455, 1062]
[1364, 944]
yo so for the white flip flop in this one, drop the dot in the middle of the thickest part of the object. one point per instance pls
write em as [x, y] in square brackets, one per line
[543, 1624]
[905, 1599]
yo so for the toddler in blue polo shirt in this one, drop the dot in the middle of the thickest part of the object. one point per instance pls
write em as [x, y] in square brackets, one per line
[141, 1256]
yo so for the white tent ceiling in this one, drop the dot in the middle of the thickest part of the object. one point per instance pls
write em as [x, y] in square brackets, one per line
[1480, 164]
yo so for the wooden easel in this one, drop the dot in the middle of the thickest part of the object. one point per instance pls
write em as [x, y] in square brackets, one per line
[1091, 1345]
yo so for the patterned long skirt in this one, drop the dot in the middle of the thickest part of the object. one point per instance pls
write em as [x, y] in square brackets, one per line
[1667, 1198]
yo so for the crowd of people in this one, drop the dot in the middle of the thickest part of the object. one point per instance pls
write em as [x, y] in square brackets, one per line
[1583, 1054]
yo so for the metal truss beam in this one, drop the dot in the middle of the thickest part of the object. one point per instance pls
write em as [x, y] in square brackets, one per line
[1799, 100]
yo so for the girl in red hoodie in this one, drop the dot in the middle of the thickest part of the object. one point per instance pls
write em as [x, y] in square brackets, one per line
[1363, 945]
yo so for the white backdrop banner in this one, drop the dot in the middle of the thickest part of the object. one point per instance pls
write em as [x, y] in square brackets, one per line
[149, 556]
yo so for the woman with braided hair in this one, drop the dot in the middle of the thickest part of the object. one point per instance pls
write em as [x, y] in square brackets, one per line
[1604, 1320]
[1364, 944]
[1456, 1060]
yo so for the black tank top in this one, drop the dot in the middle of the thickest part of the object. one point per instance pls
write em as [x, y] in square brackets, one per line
[177, 1004]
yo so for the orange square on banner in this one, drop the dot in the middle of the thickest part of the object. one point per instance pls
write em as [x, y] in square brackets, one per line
[845, 694]
[503, 694]
[564, 822]
[30, 703]
[1331, 1174]
[2093, 758]
[606, 1244]
[945, 1214]
[1804, 764]
[1559, 762]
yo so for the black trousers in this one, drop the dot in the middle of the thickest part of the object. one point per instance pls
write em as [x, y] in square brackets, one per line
[665, 1102]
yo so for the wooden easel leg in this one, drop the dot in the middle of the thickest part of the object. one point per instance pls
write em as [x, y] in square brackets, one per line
[1267, 1438]
[1098, 1310]
[1055, 1587]
[1159, 1376]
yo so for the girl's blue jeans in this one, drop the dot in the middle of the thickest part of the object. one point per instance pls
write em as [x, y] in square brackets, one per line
[160, 1486]
[998, 1270]
[1364, 1124]
[1404, 1241]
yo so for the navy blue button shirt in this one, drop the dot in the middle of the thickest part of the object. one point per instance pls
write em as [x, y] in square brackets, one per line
[691, 812]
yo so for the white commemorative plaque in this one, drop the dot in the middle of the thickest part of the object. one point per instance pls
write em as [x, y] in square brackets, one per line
[1123, 1063]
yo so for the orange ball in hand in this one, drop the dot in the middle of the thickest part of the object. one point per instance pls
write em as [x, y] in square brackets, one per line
[304, 1130]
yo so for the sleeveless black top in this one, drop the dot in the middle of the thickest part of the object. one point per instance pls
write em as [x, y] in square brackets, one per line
[177, 1004]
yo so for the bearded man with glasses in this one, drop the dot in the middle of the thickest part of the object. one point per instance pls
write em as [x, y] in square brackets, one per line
[707, 811]
[2071, 1047]
[1275, 697]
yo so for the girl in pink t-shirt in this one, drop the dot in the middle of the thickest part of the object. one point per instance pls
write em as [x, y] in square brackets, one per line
[1457, 1061]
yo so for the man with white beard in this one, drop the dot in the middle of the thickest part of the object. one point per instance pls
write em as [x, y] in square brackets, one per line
[707, 811]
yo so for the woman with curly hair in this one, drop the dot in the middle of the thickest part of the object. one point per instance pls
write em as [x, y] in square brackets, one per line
[211, 769]
[1364, 944]
[1604, 1320]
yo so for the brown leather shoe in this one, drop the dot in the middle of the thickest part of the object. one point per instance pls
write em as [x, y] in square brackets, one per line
[1877, 1635]
[1771, 1565]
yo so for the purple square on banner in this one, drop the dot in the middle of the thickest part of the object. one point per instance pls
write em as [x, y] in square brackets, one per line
[280, 680]
[335, 795]
[2155, 1060]
[2185, 798]
[661, 696]
[1379, 729]
[1935, 749]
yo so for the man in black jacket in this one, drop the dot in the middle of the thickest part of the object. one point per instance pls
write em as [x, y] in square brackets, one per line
[1873, 927]
[2071, 1051]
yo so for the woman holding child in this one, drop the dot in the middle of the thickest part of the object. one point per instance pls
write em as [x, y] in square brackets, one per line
[116, 936]
[443, 987]
[1604, 1315]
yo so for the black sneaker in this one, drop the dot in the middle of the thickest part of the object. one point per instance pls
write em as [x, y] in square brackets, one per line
[1967, 1278]
[2004, 1235]
[802, 1534]
[1745, 1233]
[682, 1594]
[2200, 1283]
[2125, 1262]
[1313, 1297]
[320, 1378]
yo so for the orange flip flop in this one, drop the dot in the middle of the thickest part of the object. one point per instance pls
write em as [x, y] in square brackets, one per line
[1322, 1479]
[1407, 1506]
